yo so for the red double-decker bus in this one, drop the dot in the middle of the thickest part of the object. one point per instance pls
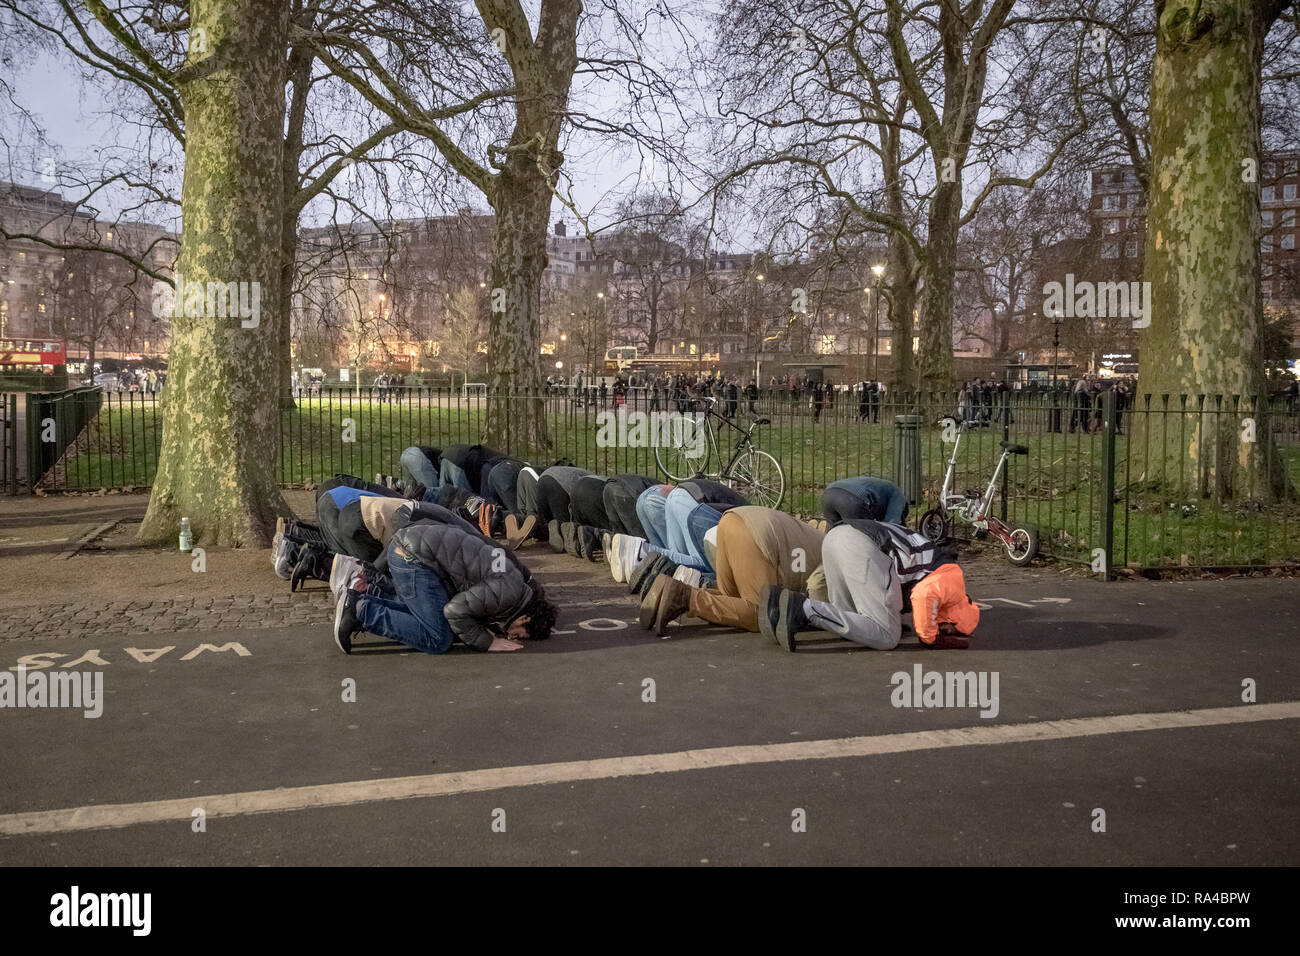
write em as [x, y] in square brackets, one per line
[30, 353]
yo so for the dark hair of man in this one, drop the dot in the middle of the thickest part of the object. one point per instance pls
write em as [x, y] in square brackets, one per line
[541, 615]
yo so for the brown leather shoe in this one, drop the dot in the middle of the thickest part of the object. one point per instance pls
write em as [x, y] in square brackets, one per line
[518, 532]
[650, 603]
[673, 603]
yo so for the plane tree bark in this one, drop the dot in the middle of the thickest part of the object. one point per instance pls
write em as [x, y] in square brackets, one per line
[217, 461]
[1202, 243]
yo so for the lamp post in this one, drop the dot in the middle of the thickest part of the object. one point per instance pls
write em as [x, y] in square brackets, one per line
[758, 332]
[879, 271]
[1056, 343]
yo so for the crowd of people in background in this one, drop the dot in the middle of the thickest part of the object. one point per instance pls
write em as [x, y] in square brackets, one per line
[146, 381]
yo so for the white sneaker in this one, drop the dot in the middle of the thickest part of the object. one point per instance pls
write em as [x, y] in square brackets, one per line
[341, 572]
[688, 576]
[625, 551]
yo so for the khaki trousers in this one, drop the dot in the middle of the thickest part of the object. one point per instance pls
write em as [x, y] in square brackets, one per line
[742, 570]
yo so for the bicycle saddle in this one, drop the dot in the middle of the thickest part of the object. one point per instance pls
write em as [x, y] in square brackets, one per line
[762, 421]
[1015, 449]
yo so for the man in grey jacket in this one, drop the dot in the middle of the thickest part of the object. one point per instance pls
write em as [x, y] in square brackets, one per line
[448, 583]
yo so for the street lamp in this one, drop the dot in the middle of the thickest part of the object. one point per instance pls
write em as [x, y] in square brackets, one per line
[1057, 316]
[758, 333]
[879, 271]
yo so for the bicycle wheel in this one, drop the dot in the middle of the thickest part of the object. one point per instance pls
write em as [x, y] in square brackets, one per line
[759, 478]
[683, 452]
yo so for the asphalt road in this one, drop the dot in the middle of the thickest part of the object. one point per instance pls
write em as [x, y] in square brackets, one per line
[1074, 660]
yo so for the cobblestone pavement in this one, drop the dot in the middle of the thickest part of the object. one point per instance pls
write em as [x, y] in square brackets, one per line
[279, 609]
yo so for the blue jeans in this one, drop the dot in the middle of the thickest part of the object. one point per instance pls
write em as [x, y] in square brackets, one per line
[414, 616]
[453, 474]
[688, 520]
[650, 509]
[419, 467]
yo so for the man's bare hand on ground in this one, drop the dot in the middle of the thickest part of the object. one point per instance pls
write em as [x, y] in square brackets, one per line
[505, 644]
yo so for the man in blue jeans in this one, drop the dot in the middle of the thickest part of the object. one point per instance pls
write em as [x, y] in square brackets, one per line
[423, 464]
[449, 583]
[677, 529]
[412, 611]
[864, 498]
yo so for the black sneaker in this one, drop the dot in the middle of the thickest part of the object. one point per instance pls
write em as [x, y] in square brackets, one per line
[790, 618]
[589, 543]
[769, 611]
[666, 566]
[346, 622]
[647, 570]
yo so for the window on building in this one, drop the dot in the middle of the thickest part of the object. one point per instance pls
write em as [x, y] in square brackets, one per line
[1266, 245]
[1112, 226]
[1288, 191]
[1109, 202]
[1267, 194]
[1267, 289]
[1266, 219]
[1288, 241]
[1130, 249]
[1291, 167]
[1288, 218]
[1110, 250]
[1270, 170]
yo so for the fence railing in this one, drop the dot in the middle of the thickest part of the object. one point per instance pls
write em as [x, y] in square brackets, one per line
[1115, 475]
[8, 443]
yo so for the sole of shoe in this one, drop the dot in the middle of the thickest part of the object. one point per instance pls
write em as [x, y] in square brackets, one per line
[636, 578]
[691, 577]
[344, 644]
[650, 603]
[662, 618]
[784, 632]
[665, 568]
[768, 608]
[613, 554]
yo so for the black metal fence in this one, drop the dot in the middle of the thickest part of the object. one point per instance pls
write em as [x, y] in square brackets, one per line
[1100, 473]
[9, 443]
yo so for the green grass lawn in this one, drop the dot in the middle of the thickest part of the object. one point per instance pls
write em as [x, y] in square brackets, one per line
[1056, 487]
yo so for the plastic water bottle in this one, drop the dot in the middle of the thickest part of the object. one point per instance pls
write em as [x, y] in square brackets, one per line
[187, 535]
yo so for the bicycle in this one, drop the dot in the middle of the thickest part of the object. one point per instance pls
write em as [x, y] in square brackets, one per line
[751, 471]
[1020, 543]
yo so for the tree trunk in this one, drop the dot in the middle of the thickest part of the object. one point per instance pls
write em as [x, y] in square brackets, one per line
[1202, 245]
[936, 370]
[217, 463]
[902, 305]
[516, 411]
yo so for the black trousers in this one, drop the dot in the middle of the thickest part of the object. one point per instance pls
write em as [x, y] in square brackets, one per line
[552, 501]
[500, 483]
[587, 503]
[621, 493]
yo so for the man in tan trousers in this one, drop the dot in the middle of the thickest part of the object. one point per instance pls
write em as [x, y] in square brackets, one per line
[755, 547]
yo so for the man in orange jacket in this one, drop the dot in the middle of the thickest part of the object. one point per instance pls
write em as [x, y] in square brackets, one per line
[942, 612]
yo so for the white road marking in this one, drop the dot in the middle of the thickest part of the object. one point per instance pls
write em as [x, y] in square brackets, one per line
[106, 816]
